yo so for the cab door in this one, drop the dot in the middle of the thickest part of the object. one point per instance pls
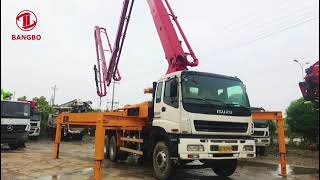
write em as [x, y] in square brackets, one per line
[167, 105]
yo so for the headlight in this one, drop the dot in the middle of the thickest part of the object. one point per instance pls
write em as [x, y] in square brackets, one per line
[195, 148]
[248, 148]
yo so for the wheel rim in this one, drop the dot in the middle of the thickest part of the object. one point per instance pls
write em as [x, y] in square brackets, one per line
[161, 161]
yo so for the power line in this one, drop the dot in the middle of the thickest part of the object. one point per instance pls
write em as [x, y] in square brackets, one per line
[267, 22]
[272, 33]
[281, 30]
[254, 19]
[284, 25]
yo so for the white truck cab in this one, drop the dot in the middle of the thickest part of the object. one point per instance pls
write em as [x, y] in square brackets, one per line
[35, 121]
[206, 117]
[15, 123]
[261, 134]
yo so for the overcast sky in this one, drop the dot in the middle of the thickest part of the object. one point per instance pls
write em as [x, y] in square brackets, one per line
[253, 40]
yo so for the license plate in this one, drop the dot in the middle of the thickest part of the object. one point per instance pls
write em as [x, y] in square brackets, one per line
[225, 148]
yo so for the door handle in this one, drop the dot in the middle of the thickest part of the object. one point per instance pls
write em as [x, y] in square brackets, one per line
[163, 109]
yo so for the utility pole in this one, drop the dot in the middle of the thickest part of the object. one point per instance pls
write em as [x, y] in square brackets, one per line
[54, 93]
[113, 92]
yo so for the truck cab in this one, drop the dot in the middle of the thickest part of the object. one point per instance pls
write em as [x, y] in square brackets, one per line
[15, 123]
[261, 133]
[261, 136]
[206, 117]
[35, 121]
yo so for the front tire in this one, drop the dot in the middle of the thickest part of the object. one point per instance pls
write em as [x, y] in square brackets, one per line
[162, 163]
[13, 146]
[262, 151]
[225, 168]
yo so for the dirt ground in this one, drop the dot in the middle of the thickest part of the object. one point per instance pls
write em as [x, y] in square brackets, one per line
[76, 162]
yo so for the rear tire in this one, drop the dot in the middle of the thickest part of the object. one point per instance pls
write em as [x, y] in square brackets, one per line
[225, 168]
[113, 149]
[106, 145]
[162, 163]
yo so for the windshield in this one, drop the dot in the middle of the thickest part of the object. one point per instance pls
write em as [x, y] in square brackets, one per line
[15, 110]
[35, 117]
[214, 93]
[261, 124]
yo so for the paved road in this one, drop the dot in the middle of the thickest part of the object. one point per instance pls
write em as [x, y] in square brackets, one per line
[76, 162]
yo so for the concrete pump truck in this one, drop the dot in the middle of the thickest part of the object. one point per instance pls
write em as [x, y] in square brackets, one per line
[192, 115]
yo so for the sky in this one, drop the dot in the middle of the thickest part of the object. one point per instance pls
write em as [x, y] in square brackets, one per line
[256, 41]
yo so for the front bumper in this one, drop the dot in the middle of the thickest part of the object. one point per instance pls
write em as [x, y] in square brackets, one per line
[14, 137]
[34, 131]
[260, 141]
[212, 153]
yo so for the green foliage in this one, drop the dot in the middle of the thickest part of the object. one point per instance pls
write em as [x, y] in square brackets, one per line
[45, 109]
[302, 121]
[272, 130]
[23, 98]
[5, 95]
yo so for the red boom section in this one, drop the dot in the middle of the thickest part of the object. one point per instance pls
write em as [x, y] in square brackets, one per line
[310, 87]
[175, 55]
[101, 71]
[104, 74]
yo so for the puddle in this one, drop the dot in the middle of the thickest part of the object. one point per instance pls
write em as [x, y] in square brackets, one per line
[86, 173]
[276, 168]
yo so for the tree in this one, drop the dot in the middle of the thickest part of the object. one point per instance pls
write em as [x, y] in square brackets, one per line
[23, 98]
[302, 121]
[5, 95]
[45, 109]
[43, 105]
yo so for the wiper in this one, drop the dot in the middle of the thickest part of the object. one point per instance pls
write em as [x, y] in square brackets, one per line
[236, 104]
[209, 101]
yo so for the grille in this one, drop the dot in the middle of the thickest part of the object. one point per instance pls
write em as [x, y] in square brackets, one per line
[15, 128]
[213, 126]
[258, 133]
[33, 124]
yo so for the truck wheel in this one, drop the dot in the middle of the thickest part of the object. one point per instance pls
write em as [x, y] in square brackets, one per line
[21, 145]
[106, 145]
[257, 150]
[113, 149]
[262, 151]
[225, 168]
[162, 163]
[13, 146]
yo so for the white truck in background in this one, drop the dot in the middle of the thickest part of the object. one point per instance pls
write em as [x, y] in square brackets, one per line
[35, 120]
[261, 133]
[15, 123]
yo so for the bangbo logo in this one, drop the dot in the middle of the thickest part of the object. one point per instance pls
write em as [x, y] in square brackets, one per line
[26, 20]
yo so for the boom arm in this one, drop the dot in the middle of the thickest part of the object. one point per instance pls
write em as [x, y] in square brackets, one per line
[175, 55]
[104, 74]
[177, 58]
